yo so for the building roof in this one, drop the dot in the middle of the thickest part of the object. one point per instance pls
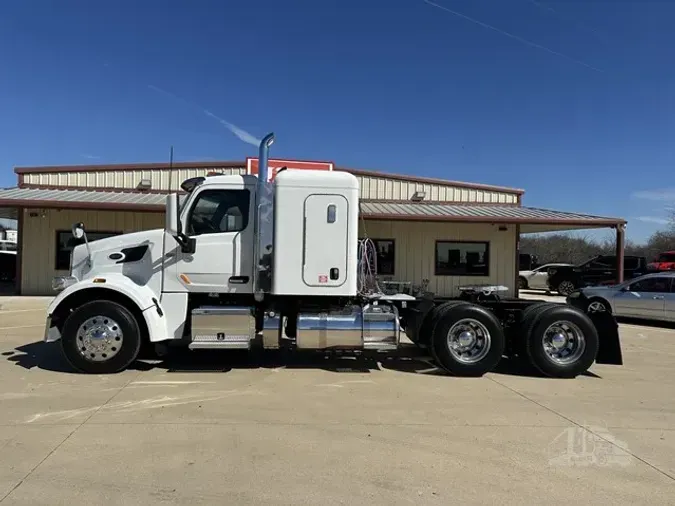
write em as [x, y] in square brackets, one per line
[216, 165]
[537, 219]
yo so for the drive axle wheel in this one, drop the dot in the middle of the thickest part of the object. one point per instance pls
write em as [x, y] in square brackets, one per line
[467, 340]
[426, 329]
[562, 342]
[101, 337]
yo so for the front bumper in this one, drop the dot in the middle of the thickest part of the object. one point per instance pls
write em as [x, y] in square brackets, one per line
[52, 333]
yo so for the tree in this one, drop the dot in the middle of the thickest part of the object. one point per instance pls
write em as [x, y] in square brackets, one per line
[576, 249]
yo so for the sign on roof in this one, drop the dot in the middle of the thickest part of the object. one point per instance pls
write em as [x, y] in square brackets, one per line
[274, 165]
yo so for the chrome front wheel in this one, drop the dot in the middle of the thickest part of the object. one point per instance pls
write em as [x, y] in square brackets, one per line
[99, 338]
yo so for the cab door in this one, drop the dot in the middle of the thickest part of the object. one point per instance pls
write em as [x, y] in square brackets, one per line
[220, 220]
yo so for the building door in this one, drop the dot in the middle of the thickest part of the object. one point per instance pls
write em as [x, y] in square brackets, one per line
[325, 245]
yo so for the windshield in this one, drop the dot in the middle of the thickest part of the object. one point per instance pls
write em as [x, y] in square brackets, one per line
[666, 257]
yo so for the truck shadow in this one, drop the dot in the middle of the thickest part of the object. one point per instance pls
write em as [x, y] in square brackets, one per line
[408, 359]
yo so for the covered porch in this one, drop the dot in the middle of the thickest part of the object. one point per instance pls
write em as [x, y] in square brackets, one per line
[525, 220]
[415, 227]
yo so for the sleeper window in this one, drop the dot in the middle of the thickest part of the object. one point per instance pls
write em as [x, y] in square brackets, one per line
[331, 214]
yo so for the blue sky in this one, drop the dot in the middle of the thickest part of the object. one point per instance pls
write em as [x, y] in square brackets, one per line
[572, 100]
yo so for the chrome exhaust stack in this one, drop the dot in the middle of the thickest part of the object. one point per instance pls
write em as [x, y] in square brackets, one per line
[264, 224]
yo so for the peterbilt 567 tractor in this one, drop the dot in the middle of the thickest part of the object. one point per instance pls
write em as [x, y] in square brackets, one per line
[246, 262]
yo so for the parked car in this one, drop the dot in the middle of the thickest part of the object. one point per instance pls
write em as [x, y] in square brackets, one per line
[649, 297]
[663, 262]
[7, 265]
[527, 262]
[600, 270]
[537, 279]
[6, 245]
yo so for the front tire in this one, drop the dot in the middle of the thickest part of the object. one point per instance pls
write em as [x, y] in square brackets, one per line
[522, 283]
[467, 340]
[598, 306]
[101, 337]
[561, 341]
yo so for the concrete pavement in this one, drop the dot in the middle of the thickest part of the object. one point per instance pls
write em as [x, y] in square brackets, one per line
[230, 429]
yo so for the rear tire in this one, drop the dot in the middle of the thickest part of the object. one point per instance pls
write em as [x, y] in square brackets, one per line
[565, 287]
[426, 329]
[467, 340]
[561, 341]
[101, 337]
[528, 315]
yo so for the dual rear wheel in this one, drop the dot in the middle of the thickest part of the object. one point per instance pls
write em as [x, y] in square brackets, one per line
[468, 340]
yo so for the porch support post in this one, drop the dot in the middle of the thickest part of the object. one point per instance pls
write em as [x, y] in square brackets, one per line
[620, 244]
[516, 288]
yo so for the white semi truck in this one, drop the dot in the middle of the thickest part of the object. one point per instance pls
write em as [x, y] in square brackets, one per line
[248, 263]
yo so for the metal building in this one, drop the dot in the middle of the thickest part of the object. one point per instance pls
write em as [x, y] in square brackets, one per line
[449, 233]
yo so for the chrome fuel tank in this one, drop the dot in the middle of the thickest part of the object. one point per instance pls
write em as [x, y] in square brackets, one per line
[371, 327]
[381, 328]
[330, 330]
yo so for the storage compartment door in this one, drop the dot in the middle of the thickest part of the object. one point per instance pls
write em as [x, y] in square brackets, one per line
[325, 239]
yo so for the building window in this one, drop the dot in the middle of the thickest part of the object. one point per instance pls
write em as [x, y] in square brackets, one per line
[65, 242]
[218, 211]
[386, 256]
[462, 258]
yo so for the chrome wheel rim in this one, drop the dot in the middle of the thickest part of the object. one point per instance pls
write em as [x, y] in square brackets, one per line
[99, 338]
[564, 342]
[596, 307]
[566, 287]
[468, 341]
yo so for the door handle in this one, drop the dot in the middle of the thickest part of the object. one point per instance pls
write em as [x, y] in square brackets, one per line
[238, 280]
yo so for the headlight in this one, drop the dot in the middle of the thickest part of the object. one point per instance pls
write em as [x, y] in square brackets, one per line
[60, 283]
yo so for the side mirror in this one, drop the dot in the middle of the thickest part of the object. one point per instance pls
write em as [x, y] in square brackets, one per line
[172, 220]
[77, 230]
[173, 227]
[79, 233]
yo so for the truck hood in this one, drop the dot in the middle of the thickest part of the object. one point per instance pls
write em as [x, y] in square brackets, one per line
[131, 254]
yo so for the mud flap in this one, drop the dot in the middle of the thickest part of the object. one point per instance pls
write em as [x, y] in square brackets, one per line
[609, 351]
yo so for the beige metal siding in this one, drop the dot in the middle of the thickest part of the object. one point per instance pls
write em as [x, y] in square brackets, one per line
[372, 187]
[123, 179]
[415, 246]
[383, 188]
[39, 239]
[415, 252]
